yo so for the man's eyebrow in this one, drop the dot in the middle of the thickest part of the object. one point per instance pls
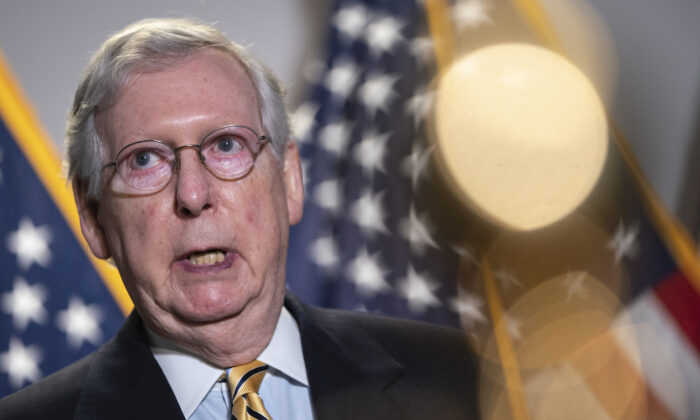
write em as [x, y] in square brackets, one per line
[131, 138]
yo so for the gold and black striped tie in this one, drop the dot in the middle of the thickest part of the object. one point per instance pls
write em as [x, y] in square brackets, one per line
[243, 382]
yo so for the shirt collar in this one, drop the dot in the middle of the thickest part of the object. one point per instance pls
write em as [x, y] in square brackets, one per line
[284, 353]
[191, 378]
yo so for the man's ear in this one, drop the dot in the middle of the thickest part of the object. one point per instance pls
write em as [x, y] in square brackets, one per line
[89, 225]
[293, 183]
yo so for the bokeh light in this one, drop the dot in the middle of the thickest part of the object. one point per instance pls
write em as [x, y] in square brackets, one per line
[521, 133]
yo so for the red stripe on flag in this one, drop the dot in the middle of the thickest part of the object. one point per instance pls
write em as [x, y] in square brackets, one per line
[682, 301]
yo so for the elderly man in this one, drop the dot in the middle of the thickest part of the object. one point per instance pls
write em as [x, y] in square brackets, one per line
[183, 174]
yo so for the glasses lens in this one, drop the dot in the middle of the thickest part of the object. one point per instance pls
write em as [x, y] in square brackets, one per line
[230, 152]
[146, 165]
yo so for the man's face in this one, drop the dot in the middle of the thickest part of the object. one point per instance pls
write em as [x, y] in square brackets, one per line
[154, 237]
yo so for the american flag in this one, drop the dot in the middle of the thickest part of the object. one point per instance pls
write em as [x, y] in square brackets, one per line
[54, 307]
[381, 233]
[375, 234]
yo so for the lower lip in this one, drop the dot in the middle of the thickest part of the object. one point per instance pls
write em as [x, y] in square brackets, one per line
[228, 261]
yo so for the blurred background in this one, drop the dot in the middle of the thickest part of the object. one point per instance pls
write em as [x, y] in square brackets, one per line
[652, 78]
[603, 296]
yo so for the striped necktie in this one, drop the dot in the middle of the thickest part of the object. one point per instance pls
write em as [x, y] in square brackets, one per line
[243, 382]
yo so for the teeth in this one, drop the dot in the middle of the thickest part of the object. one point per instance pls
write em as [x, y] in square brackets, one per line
[206, 258]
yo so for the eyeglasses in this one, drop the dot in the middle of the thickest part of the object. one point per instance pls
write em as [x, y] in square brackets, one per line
[147, 165]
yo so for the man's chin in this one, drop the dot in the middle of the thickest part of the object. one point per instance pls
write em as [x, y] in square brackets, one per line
[202, 314]
[208, 302]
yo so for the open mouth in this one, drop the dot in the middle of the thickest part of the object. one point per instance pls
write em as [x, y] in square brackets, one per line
[208, 261]
[208, 257]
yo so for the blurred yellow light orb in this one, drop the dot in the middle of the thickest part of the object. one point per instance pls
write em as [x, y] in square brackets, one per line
[522, 134]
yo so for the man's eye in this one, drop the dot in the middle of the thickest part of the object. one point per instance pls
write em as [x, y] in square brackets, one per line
[144, 159]
[228, 145]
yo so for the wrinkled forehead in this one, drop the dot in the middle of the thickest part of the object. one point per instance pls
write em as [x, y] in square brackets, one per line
[188, 97]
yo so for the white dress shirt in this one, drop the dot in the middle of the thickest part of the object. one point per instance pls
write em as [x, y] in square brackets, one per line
[195, 383]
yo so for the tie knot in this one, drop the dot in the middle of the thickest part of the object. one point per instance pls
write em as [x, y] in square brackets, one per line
[245, 378]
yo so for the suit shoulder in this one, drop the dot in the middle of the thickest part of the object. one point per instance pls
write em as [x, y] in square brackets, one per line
[401, 337]
[400, 326]
[406, 339]
[438, 363]
[55, 396]
[430, 371]
[397, 328]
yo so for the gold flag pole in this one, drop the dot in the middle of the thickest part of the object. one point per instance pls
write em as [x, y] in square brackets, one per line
[443, 38]
[441, 32]
[536, 17]
[506, 353]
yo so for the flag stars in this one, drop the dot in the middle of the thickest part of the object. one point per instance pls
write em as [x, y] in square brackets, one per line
[342, 78]
[25, 303]
[468, 306]
[383, 34]
[30, 244]
[324, 252]
[416, 230]
[418, 290]
[334, 137]
[21, 363]
[370, 151]
[507, 279]
[574, 283]
[367, 212]
[471, 14]
[328, 195]
[415, 164]
[377, 92]
[513, 327]
[422, 48]
[351, 21]
[624, 242]
[419, 105]
[465, 253]
[303, 120]
[80, 322]
[368, 273]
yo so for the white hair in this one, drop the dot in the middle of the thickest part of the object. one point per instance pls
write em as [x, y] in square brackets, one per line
[150, 45]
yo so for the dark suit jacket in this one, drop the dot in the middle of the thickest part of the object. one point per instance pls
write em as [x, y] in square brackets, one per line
[359, 366]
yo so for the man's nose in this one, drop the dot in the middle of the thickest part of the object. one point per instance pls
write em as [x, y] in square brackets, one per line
[193, 194]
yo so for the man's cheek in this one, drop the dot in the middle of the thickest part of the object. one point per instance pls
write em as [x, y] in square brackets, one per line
[251, 217]
[151, 211]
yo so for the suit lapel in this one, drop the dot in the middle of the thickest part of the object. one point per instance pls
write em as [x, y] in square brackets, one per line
[350, 374]
[125, 381]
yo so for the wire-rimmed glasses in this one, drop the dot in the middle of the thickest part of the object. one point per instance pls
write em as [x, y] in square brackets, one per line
[145, 166]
